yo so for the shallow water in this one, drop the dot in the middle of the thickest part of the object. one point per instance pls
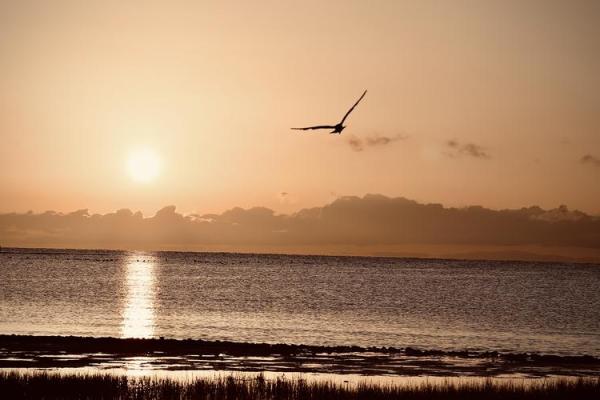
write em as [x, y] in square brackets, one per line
[433, 304]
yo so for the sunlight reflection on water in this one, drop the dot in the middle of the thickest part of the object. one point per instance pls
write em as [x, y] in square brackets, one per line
[138, 312]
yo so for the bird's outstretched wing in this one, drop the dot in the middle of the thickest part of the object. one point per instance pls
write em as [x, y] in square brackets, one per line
[315, 127]
[352, 108]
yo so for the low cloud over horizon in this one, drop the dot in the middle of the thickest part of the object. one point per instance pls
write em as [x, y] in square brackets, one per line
[371, 225]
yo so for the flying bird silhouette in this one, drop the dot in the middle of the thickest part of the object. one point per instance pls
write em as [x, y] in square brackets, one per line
[337, 128]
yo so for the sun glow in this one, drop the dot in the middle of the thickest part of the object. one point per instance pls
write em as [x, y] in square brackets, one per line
[143, 165]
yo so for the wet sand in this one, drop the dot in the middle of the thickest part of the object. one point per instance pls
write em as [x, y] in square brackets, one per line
[51, 352]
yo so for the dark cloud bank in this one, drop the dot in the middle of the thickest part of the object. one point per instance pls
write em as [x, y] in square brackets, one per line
[372, 225]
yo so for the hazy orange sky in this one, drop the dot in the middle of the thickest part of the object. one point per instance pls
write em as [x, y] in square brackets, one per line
[494, 103]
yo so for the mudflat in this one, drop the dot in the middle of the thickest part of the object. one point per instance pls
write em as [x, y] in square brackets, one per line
[24, 351]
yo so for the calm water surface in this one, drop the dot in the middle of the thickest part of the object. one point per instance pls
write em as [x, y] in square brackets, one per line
[432, 304]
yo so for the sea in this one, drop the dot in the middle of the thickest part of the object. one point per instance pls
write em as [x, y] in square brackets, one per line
[432, 304]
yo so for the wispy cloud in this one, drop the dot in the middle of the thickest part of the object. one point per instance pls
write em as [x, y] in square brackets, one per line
[358, 144]
[355, 143]
[457, 148]
[590, 159]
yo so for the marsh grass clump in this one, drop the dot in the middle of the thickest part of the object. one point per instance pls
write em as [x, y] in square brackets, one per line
[44, 385]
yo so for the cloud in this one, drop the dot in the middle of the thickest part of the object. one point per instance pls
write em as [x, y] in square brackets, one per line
[358, 144]
[355, 143]
[590, 159]
[372, 221]
[468, 149]
[383, 140]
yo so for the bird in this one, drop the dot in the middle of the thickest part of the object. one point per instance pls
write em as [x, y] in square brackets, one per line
[337, 128]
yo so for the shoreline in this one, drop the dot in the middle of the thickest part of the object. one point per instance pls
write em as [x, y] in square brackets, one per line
[51, 352]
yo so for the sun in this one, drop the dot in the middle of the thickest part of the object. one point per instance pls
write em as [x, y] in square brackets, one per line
[143, 165]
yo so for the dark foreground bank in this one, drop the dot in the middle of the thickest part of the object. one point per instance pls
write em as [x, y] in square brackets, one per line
[37, 385]
[41, 352]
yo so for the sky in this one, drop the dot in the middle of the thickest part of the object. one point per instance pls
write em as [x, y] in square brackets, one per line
[142, 104]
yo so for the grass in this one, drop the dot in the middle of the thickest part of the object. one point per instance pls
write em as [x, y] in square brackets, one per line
[43, 385]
